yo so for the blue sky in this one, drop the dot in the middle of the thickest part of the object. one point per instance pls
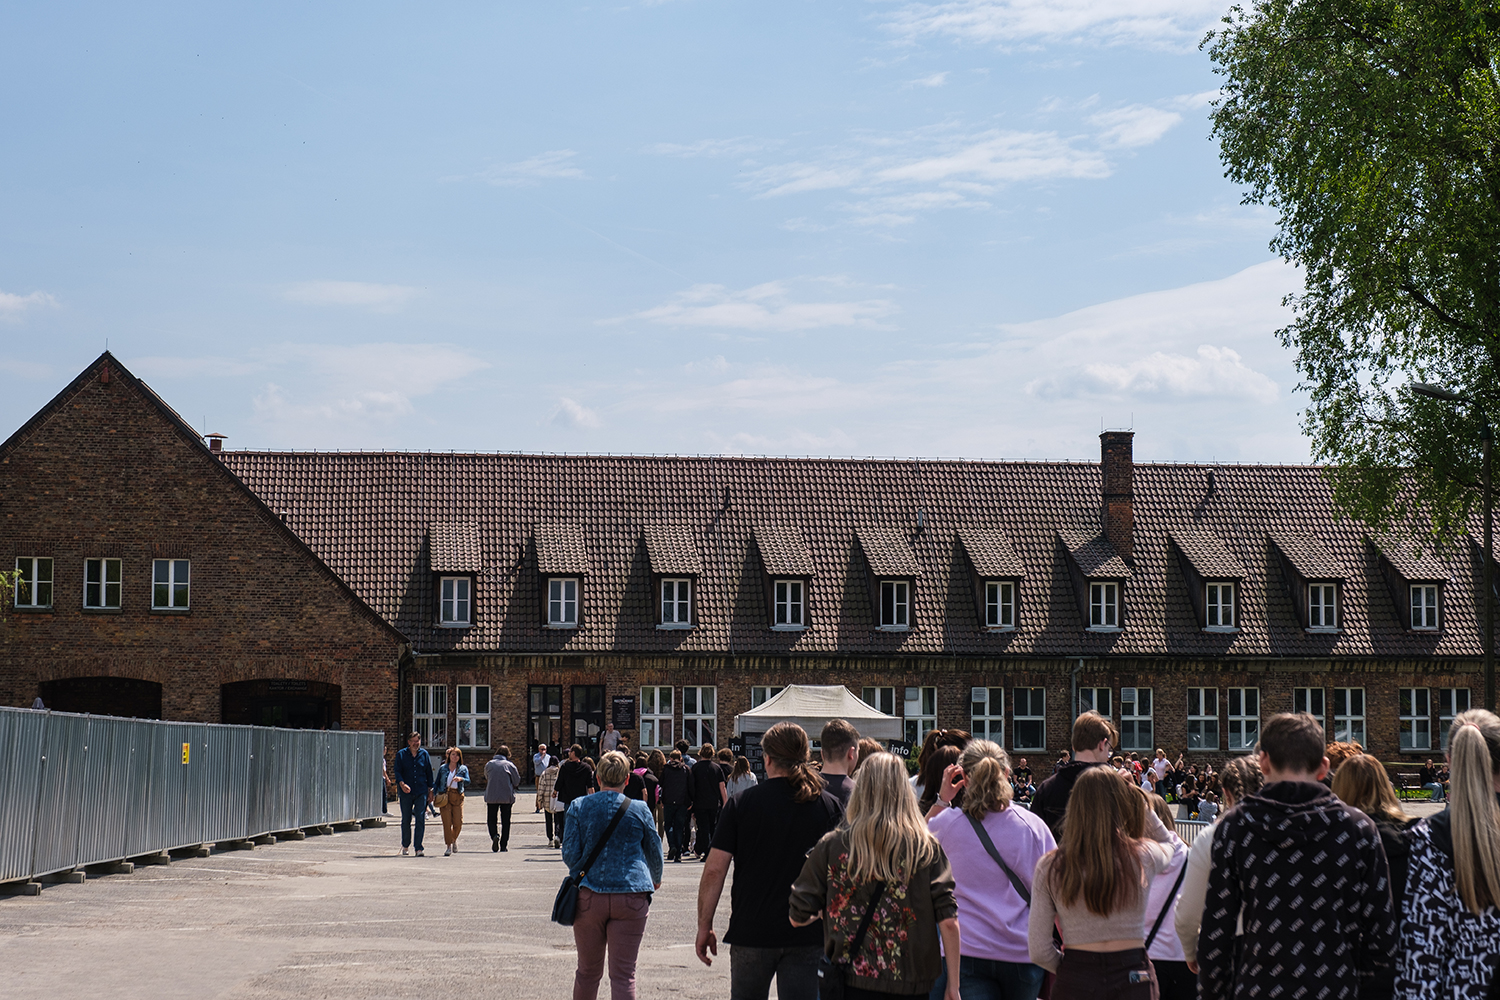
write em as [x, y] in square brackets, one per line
[979, 228]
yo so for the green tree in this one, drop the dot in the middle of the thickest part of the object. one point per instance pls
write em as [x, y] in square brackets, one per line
[1373, 128]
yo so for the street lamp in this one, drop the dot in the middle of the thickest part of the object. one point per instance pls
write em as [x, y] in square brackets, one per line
[1487, 437]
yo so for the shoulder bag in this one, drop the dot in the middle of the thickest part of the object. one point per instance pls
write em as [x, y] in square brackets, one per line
[1171, 897]
[565, 906]
[830, 973]
[989, 845]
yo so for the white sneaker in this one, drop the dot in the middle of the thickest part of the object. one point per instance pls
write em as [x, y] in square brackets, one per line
[447, 851]
[405, 851]
[455, 848]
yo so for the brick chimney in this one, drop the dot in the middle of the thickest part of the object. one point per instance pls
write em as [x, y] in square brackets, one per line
[1118, 510]
[215, 442]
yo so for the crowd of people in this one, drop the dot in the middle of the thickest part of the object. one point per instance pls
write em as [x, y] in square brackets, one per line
[968, 879]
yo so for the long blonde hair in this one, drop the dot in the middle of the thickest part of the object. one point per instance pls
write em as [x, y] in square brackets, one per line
[986, 779]
[1098, 858]
[887, 836]
[1474, 757]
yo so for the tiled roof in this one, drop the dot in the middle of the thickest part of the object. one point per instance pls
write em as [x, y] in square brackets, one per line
[561, 550]
[1308, 556]
[366, 516]
[783, 550]
[887, 552]
[673, 550]
[990, 552]
[454, 547]
[1207, 554]
[1411, 560]
[1096, 558]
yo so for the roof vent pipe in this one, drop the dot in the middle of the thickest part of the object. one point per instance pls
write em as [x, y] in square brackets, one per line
[215, 442]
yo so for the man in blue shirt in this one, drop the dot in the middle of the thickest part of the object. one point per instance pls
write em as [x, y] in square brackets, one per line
[414, 780]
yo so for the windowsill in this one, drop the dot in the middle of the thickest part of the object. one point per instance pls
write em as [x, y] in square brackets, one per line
[171, 612]
[455, 625]
[1221, 628]
[1424, 630]
[999, 628]
[1105, 628]
[673, 627]
[788, 628]
[562, 628]
[101, 611]
[894, 628]
[1322, 630]
[1029, 749]
[1203, 750]
[32, 609]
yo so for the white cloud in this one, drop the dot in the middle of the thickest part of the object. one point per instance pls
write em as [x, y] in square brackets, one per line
[935, 80]
[556, 164]
[1150, 23]
[164, 368]
[13, 305]
[738, 146]
[25, 369]
[795, 178]
[575, 415]
[358, 294]
[1003, 157]
[1214, 371]
[1136, 125]
[763, 308]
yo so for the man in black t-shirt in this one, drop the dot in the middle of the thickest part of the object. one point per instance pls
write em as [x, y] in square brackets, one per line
[839, 745]
[709, 795]
[767, 833]
[574, 781]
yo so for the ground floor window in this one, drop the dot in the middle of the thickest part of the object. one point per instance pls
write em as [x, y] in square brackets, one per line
[1311, 701]
[1094, 700]
[987, 711]
[1414, 705]
[656, 717]
[1452, 702]
[699, 715]
[1349, 715]
[429, 714]
[1135, 719]
[473, 715]
[1029, 718]
[762, 693]
[1244, 718]
[921, 713]
[882, 699]
[1203, 718]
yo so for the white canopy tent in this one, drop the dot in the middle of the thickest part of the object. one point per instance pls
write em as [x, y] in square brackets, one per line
[810, 706]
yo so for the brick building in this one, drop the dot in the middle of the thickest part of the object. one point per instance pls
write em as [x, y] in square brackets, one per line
[154, 584]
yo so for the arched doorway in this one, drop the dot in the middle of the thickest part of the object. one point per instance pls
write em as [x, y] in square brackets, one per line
[281, 702]
[124, 696]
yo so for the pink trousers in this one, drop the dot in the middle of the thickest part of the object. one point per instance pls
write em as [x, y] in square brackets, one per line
[616, 920]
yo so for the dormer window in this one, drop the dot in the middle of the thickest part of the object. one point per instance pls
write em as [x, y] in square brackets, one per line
[1322, 606]
[1000, 604]
[676, 603]
[562, 603]
[895, 604]
[1104, 606]
[1424, 606]
[789, 605]
[1220, 605]
[455, 605]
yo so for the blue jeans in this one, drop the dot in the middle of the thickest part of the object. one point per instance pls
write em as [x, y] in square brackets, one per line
[987, 979]
[413, 804]
[1436, 790]
[675, 817]
[794, 969]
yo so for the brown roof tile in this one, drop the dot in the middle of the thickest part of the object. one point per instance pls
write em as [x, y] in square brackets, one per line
[561, 550]
[1207, 554]
[1096, 558]
[454, 547]
[990, 553]
[1411, 560]
[783, 550]
[672, 550]
[1308, 556]
[887, 552]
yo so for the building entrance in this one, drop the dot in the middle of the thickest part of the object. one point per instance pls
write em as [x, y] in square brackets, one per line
[280, 702]
[124, 696]
[588, 717]
[544, 722]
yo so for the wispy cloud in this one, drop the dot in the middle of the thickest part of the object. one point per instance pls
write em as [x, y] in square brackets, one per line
[25, 369]
[358, 294]
[1148, 23]
[359, 384]
[572, 414]
[556, 164]
[1213, 371]
[13, 305]
[768, 308]
[935, 80]
[742, 145]
[1136, 125]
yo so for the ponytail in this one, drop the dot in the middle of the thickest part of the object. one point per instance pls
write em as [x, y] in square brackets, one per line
[1474, 755]
[987, 785]
[785, 745]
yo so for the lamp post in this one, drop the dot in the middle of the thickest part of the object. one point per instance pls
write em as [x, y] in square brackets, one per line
[1487, 437]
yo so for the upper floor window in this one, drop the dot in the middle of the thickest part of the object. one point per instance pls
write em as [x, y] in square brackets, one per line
[170, 579]
[456, 604]
[789, 604]
[1104, 605]
[33, 582]
[1424, 606]
[676, 603]
[1220, 604]
[895, 604]
[1000, 604]
[101, 583]
[1322, 606]
[562, 603]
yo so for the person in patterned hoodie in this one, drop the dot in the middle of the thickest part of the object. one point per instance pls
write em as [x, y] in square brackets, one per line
[1308, 876]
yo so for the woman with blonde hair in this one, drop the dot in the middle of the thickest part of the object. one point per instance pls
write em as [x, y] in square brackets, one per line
[1094, 887]
[1363, 783]
[884, 889]
[993, 848]
[1451, 921]
[452, 780]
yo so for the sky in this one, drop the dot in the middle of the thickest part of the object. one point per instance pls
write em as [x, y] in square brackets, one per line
[977, 228]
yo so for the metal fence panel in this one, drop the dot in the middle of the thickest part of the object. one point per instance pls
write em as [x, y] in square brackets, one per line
[64, 767]
[136, 817]
[21, 736]
[1189, 829]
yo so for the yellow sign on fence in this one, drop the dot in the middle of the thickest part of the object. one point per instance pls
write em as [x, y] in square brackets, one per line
[185, 747]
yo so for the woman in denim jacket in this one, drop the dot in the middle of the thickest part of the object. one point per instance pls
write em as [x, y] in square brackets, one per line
[615, 895]
[453, 778]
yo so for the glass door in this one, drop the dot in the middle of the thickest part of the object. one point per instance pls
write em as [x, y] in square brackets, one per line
[588, 717]
[543, 722]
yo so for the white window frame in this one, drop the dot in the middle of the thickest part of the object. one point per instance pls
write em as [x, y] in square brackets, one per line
[455, 601]
[789, 605]
[562, 601]
[177, 580]
[1313, 701]
[30, 587]
[987, 714]
[882, 699]
[656, 717]
[762, 693]
[473, 724]
[1089, 699]
[700, 725]
[1424, 607]
[1414, 709]
[98, 588]
[1349, 726]
[1104, 606]
[895, 612]
[1452, 702]
[675, 609]
[1137, 731]
[1221, 602]
[919, 709]
[1323, 607]
[1000, 605]
[1243, 705]
[1203, 716]
[429, 714]
[1028, 715]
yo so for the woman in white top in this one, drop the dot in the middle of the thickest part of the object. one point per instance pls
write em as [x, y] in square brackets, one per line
[453, 778]
[740, 778]
[1174, 979]
[1240, 777]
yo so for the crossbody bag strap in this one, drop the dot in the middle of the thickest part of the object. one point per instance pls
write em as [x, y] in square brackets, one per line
[864, 923]
[604, 839]
[1167, 905]
[989, 845]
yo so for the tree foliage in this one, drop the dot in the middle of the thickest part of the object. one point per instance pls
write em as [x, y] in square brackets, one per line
[1373, 128]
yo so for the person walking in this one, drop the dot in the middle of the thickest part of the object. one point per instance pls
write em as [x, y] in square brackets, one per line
[766, 832]
[1295, 841]
[546, 790]
[614, 898]
[676, 800]
[1452, 918]
[414, 786]
[1093, 736]
[883, 873]
[839, 749]
[740, 777]
[1174, 980]
[540, 761]
[610, 740]
[501, 779]
[1241, 777]
[710, 792]
[1094, 888]
[655, 761]
[452, 780]
[993, 848]
[575, 779]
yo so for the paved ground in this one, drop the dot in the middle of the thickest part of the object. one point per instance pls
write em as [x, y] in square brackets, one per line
[337, 916]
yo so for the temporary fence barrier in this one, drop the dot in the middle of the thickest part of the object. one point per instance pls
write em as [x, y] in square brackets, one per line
[87, 789]
[1188, 829]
